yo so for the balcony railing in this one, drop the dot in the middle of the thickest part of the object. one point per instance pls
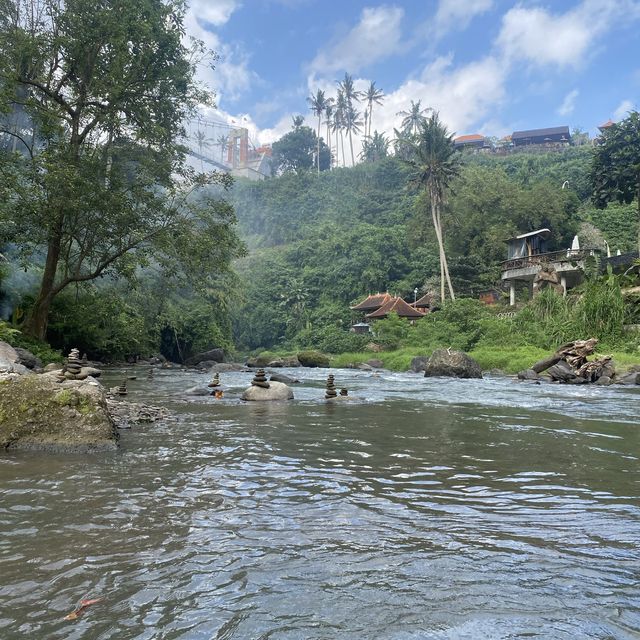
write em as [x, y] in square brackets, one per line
[566, 255]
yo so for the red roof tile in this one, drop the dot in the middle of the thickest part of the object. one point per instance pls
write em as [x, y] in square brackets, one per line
[403, 309]
[473, 137]
[371, 303]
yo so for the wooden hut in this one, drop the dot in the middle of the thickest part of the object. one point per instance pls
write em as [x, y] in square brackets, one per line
[372, 302]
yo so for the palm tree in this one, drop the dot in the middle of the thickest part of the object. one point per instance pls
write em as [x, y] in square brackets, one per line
[372, 96]
[297, 121]
[436, 163]
[318, 104]
[328, 112]
[203, 143]
[414, 118]
[350, 96]
[353, 124]
[375, 148]
[222, 141]
[339, 119]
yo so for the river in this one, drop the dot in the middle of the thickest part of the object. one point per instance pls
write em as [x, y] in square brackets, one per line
[421, 508]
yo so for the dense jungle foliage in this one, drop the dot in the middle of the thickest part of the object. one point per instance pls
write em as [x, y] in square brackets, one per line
[320, 243]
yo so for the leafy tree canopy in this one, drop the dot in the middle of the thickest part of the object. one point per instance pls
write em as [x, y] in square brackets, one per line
[296, 151]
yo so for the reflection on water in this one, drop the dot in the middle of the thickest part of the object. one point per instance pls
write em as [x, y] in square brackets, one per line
[419, 509]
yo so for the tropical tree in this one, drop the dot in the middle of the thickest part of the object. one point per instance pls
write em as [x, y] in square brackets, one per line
[295, 151]
[203, 143]
[107, 87]
[372, 96]
[615, 169]
[351, 96]
[353, 124]
[375, 148]
[339, 118]
[222, 141]
[318, 104]
[413, 119]
[328, 112]
[435, 164]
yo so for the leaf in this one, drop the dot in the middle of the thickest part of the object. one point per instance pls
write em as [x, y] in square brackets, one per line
[84, 604]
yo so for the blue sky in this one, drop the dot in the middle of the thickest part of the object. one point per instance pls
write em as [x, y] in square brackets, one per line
[488, 66]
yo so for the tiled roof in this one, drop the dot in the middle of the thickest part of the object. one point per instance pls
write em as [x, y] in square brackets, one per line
[425, 301]
[403, 309]
[606, 125]
[473, 137]
[371, 303]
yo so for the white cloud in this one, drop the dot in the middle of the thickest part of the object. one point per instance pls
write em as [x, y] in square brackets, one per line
[623, 110]
[565, 39]
[569, 103]
[231, 75]
[458, 14]
[377, 35]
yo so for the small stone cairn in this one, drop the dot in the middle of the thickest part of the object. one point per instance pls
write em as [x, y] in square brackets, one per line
[150, 374]
[74, 364]
[331, 392]
[215, 382]
[122, 389]
[344, 392]
[260, 380]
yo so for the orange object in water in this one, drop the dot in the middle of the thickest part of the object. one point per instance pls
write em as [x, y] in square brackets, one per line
[217, 394]
[75, 614]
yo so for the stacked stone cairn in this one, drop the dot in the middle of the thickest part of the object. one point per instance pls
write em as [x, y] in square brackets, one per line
[122, 389]
[331, 392]
[150, 374]
[260, 380]
[344, 392]
[74, 365]
[215, 382]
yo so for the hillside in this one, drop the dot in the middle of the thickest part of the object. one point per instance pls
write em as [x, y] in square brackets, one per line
[317, 243]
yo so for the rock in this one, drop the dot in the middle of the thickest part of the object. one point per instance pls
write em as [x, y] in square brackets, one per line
[214, 355]
[258, 361]
[276, 391]
[363, 366]
[52, 366]
[604, 381]
[419, 363]
[313, 359]
[628, 378]
[291, 361]
[375, 363]
[453, 364]
[197, 391]
[206, 365]
[562, 372]
[528, 374]
[27, 359]
[223, 367]
[276, 364]
[9, 359]
[281, 377]
[90, 371]
[374, 347]
[38, 413]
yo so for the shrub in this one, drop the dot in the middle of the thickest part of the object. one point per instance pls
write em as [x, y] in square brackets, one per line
[313, 359]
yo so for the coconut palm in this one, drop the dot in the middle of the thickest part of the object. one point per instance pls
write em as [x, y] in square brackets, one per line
[339, 119]
[203, 143]
[352, 124]
[328, 112]
[435, 165]
[372, 96]
[318, 104]
[414, 118]
[351, 96]
[375, 148]
[297, 121]
[222, 141]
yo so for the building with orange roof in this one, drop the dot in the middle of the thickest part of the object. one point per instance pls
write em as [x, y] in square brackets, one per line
[397, 305]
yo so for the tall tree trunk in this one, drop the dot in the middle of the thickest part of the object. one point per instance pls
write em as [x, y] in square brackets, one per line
[444, 267]
[344, 161]
[329, 143]
[36, 324]
[351, 144]
[318, 158]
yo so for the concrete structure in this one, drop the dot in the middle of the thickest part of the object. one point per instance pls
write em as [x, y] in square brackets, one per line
[529, 261]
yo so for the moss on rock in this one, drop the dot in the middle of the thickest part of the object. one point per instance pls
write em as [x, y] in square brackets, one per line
[38, 412]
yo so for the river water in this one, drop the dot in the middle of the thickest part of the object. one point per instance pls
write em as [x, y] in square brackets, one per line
[422, 508]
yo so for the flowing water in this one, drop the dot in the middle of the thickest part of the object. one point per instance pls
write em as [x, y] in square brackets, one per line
[422, 508]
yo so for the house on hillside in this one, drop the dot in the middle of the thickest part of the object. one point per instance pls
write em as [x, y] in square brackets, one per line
[549, 137]
[530, 261]
[473, 141]
[395, 305]
[380, 305]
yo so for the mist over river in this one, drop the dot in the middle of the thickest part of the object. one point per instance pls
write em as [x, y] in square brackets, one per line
[421, 508]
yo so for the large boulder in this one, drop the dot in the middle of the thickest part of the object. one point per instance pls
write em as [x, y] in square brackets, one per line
[528, 374]
[418, 364]
[452, 364]
[10, 360]
[224, 367]
[36, 412]
[27, 359]
[628, 378]
[562, 371]
[281, 377]
[276, 391]
[313, 359]
[213, 355]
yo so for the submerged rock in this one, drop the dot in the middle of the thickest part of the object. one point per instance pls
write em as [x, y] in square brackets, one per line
[36, 412]
[281, 377]
[452, 364]
[223, 367]
[418, 364]
[528, 374]
[213, 355]
[276, 391]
